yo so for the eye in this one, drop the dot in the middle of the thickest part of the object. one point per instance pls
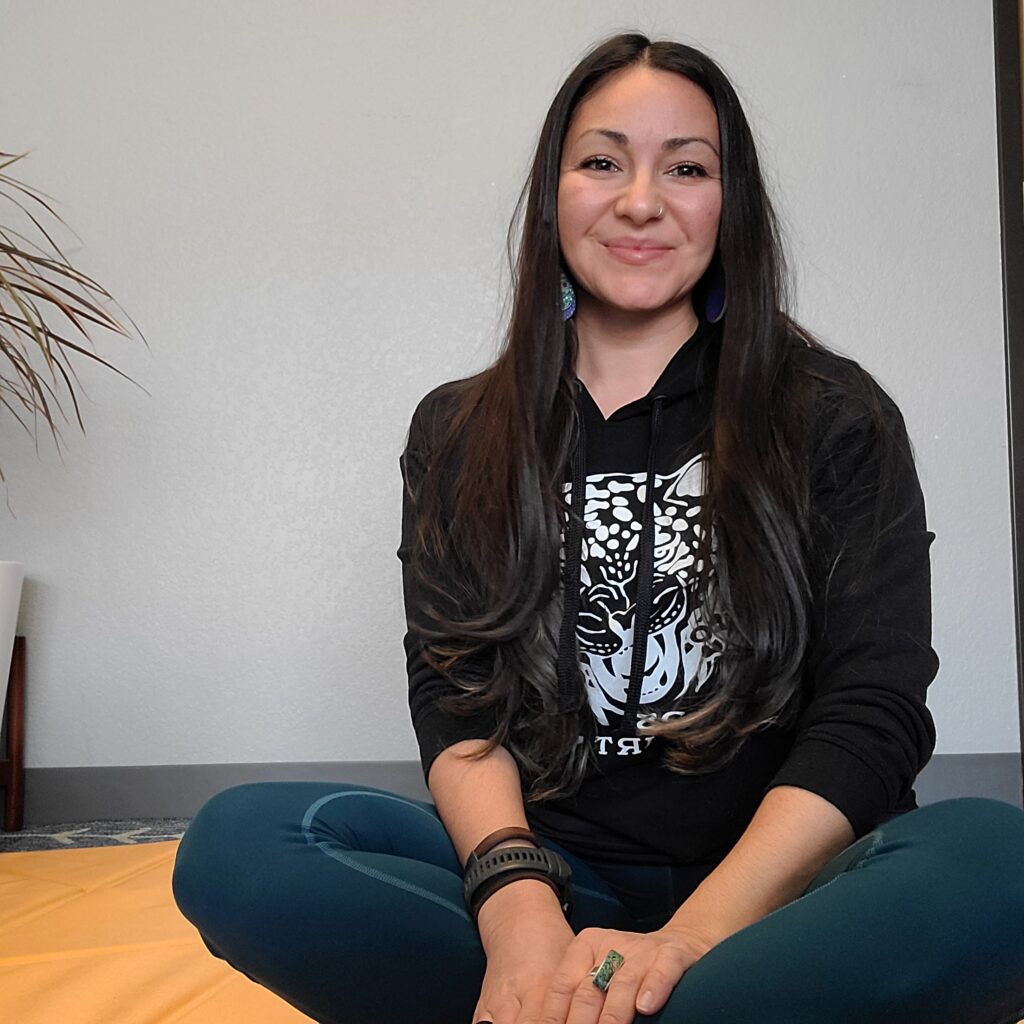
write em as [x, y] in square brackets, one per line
[590, 163]
[689, 170]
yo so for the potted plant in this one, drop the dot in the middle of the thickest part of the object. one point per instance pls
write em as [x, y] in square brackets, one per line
[44, 305]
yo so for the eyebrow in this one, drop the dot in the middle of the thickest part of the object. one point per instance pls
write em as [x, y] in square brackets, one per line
[667, 146]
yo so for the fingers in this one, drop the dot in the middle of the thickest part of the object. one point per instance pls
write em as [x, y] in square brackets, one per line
[577, 1002]
[650, 971]
[512, 1011]
[530, 1012]
[653, 992]
[620, 996]
[564, 989]
[571, 985]
[496, 1012]
[643, 986]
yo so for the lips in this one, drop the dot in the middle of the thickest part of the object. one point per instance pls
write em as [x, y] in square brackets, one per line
[634, 252]
[626, 242]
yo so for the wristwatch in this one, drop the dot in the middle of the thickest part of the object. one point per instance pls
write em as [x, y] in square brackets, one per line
[487, 872]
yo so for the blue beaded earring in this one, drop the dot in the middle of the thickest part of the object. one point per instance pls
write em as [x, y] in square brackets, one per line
[568, 298]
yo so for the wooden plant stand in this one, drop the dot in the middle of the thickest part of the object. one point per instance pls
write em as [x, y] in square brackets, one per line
[12, 768]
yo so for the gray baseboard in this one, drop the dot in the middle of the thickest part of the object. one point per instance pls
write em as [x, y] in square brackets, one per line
[993, 775]
[57, 795]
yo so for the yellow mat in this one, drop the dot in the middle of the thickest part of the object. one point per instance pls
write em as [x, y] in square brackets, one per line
[92, 936]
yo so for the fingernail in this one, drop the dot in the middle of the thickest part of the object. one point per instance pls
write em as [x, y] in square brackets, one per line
[645, 1004]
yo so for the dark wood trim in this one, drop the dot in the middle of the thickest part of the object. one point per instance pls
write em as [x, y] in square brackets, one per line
[1006, 21]
[12, 767]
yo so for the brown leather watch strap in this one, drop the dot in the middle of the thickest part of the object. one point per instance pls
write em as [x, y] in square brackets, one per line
[502, 835]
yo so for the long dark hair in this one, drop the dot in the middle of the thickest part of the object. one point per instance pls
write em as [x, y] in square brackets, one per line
[494, 520]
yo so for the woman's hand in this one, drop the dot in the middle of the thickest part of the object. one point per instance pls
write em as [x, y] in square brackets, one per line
[522, 956]
[518, 979]
[653, 964]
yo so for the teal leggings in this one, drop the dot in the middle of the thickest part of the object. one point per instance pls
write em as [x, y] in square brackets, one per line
[346, 901]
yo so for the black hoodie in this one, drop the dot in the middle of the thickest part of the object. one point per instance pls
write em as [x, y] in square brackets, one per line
[863, 733]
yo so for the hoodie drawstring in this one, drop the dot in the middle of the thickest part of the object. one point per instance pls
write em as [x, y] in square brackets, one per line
[568, 655]
[645, 578]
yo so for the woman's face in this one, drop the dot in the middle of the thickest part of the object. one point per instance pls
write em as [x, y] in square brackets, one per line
[642, 140]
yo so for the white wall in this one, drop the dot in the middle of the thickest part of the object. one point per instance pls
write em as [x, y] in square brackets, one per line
[303, 205]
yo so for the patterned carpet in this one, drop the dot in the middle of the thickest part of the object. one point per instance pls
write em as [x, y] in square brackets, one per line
[93, 833]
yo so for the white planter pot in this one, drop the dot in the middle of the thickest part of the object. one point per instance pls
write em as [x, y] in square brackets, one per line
[12, 575]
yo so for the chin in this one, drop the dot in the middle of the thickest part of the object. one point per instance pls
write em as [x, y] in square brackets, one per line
[623, 304]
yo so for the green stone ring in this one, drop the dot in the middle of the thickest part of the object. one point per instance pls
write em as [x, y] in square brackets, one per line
[602, 974]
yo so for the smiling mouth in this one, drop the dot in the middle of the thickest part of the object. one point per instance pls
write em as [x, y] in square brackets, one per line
[636, 254]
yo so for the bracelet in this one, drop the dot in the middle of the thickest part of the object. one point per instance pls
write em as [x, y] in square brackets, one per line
[502, 835]
[484, 877]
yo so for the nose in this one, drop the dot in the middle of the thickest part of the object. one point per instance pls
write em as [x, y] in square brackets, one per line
[640, 200]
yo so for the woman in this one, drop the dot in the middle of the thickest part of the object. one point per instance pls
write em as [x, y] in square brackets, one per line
[667, 586]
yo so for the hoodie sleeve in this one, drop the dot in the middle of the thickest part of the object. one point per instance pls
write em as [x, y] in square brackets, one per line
[864, 732]
[435, 729]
